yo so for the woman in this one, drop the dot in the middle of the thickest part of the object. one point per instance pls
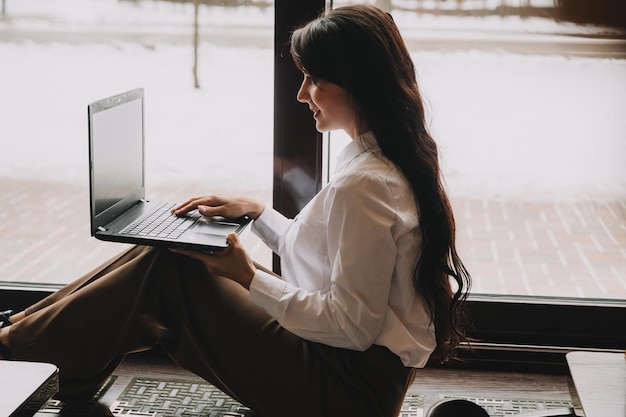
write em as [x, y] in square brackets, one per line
[365, 296]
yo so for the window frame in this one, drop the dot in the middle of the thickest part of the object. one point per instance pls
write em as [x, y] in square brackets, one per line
[296, 141]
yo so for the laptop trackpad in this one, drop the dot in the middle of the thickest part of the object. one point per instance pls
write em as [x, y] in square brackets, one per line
[210, 226]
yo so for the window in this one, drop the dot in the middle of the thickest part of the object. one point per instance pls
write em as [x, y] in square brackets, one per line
[57, 57]
[46, 59]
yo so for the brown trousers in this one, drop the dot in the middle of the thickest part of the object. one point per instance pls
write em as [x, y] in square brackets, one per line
[149, 297]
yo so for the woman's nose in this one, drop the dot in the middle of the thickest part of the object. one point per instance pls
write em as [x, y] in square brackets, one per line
[303, 95]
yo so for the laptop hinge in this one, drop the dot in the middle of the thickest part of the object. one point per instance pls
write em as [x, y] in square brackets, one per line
[143, 200]
[102, 229]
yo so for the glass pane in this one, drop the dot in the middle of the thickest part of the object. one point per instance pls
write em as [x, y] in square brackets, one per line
[59, 56]
[526, 102]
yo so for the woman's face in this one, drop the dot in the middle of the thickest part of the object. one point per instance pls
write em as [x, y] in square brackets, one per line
[330, 104]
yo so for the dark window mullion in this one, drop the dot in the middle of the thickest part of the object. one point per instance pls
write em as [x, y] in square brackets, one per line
[296, 142]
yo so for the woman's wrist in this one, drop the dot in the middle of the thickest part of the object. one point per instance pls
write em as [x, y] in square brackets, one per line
[257, 209]
[246, 280]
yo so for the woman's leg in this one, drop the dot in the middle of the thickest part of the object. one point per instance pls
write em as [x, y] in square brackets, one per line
[236, 346]
[57, 295]
[88, 326]
[208, 325]
[103, 269]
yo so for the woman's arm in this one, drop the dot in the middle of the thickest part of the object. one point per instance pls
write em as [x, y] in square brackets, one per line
[234, 262]
[361, 254]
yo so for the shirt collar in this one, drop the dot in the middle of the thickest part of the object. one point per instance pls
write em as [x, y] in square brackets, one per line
[365, 142]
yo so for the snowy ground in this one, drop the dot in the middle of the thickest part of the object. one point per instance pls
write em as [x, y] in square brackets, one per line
[509, 125]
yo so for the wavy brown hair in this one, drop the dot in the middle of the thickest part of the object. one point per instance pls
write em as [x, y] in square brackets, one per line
[360, 49]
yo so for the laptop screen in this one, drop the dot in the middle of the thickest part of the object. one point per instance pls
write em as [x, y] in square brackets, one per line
[116, 152]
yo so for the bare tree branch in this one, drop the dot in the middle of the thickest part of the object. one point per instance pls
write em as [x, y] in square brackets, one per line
[196, 7]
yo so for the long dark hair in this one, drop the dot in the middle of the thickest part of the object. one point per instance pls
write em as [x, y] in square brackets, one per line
[360, 49]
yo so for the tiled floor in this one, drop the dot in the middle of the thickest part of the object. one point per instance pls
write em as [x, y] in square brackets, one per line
[575, 249]
[147, 385]
[571, 249]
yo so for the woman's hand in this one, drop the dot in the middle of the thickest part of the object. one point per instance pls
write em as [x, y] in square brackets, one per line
[233, 262]
[214, 205]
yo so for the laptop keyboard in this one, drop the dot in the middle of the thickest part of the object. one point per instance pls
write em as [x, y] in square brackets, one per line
[159, 223]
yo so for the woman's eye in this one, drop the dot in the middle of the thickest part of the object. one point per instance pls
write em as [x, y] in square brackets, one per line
[311, 79]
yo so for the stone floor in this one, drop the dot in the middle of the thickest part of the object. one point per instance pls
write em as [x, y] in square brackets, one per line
[566, 249]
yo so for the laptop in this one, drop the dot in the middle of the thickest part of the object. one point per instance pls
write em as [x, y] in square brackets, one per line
[26, 386]
[119, 209]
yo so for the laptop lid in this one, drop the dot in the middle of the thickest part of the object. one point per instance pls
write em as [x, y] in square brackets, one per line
[116, 156]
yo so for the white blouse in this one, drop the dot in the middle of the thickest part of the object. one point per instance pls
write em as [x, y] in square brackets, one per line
[347, 261]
